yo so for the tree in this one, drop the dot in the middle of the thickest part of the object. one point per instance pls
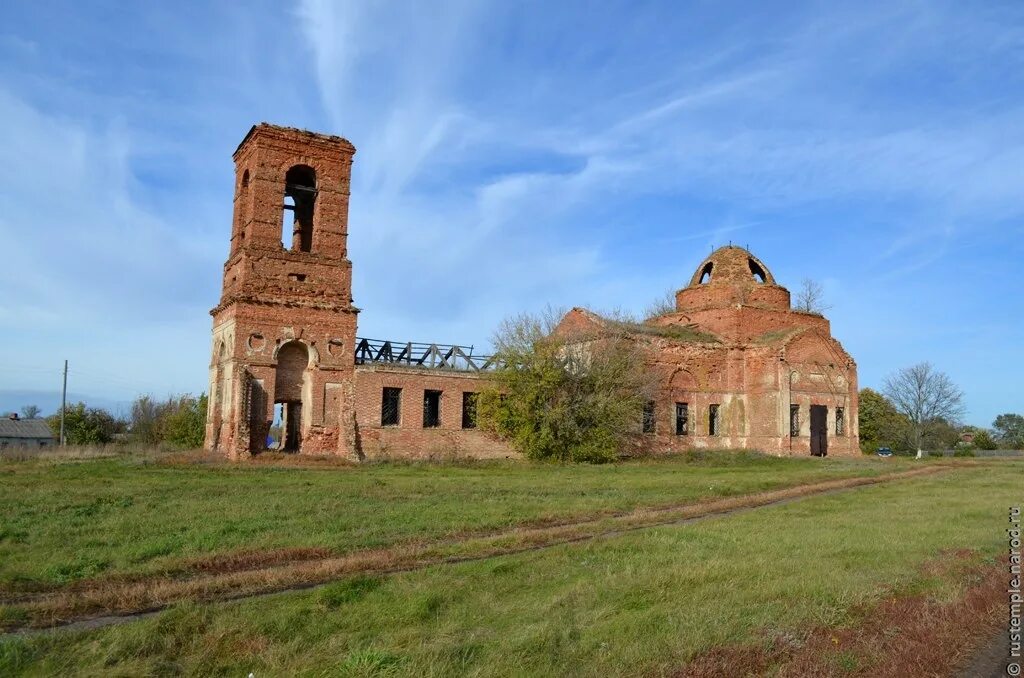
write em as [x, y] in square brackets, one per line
[941, 434]
[147, 419]
[30, 411]
[185, 426]
[880, 424]
[565, 397]
[663, 305]
[86, 426]
[926, 397]
[810, 298]
[1009, 429]
[179, 420]
[984, 441]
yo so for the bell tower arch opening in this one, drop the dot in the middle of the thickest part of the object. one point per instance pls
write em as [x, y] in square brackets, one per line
[300, 204]
[291, 391]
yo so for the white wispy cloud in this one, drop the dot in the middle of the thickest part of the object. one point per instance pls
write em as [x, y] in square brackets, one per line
[510, 155]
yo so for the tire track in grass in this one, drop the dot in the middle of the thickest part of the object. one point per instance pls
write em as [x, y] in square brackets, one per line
[118, 601]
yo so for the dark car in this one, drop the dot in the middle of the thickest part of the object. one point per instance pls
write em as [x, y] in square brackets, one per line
[884, 452]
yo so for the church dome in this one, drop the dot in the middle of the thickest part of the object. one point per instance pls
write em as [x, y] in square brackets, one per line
[732, 266]
[729, 276]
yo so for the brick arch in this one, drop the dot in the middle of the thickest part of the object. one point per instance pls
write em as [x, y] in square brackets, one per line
[314, 355]
[683, 380]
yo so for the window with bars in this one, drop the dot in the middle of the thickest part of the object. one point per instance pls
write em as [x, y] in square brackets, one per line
[649, 418]
[794, 421]
[713, 421]
[431, 409]
[840, 422]
[390, 406]
[682, 418]
[469, 410]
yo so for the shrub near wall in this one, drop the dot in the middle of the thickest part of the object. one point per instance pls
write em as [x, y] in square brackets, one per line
[565, 398]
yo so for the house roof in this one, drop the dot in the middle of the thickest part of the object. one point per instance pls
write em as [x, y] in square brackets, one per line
[24, 428]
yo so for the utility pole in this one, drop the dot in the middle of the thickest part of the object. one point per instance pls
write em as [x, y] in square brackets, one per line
[63, 402]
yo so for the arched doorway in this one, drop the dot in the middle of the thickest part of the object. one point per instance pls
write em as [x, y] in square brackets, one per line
[289, 391]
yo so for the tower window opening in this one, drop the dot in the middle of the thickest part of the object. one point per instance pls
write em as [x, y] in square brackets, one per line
[705, 273]
[299, 200]
[288, 222]
[757, 271]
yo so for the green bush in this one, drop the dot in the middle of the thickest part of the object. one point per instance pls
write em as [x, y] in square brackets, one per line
[86, 425]
[964, 451]
[984, 441]
[564, 397]
[179, 420]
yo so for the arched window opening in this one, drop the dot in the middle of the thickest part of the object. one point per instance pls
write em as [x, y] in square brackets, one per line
[245, 179]
[705, 274]
[757, 271]
[299, 199]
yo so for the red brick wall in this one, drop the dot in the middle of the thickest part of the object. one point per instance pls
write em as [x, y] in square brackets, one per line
[410, 439]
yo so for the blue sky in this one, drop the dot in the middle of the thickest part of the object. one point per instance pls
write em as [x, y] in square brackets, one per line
[512, 155]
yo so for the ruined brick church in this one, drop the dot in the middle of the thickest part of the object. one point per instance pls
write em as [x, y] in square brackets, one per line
[737, 366]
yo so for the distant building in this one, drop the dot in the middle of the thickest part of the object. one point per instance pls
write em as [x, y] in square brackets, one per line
[18, 432]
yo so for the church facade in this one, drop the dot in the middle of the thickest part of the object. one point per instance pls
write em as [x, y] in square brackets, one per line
[737, 365]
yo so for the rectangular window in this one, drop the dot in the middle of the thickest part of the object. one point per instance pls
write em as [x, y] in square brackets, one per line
[469, 410]
[431, 409]
[794, 421]
[390, 406]
[713, 427]
[649, 417]
[682, 418]
[840, 422]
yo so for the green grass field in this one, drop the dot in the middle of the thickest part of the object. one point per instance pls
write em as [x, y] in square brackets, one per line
[642, 602]
[60, 522]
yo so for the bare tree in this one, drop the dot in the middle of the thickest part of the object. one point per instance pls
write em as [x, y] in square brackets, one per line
[664, 304]
[925, 396]
[30, 411]
[810, 298]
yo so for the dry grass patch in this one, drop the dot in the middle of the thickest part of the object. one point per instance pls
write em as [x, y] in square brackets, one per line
[903, 635]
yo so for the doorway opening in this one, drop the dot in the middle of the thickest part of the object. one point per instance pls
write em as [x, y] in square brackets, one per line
[290, 439]
[819, 430]
[290, 390]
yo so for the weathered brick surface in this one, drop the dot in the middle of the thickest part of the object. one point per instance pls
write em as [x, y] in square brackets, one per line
[285, 332]
[409, 438]
[751, 355]
[283, 299]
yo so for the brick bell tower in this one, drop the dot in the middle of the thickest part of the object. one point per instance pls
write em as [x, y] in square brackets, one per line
[284, 330]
